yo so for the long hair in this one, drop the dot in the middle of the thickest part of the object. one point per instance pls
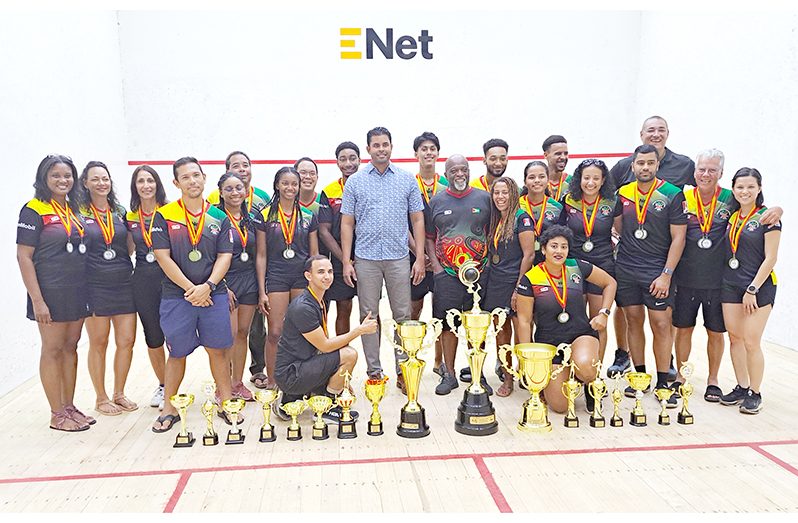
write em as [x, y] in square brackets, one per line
[85, 196]
[246, 219]
[43, 193]
[160, 191]
[741, 173]
[575, 185]
[524, 190]
[508, 226]
[275, 201]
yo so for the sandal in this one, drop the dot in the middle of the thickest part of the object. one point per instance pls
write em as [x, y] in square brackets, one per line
[73, 412]
[124, 403]
[62, 421]
[713, 394]
[108, 408]
[505, 390]
[167, 422]
[226, 418]
[260, 380]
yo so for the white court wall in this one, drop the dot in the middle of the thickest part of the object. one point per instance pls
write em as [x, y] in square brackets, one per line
[160, 85]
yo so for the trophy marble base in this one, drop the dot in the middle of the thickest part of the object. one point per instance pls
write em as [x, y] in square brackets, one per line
[294, 434]
[684, 419]
[664, 419]
[638, 420]
[412, 424]
[267, 434]
[182, 441]
[210, 441]
[234, 438]
[616, 422]
[321, 433]
[374, 429]
[570, 423]
[476, 416]
[597, 423]
[347, 429]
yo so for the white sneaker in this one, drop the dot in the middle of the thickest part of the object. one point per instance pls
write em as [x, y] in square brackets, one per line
[157, 398]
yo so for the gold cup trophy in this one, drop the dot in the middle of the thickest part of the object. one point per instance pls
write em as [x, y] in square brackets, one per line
[475, 415]
[233, 407]
[266, 397]
[616, 420]
[663, 395]
[209, 409]
[686, 390]
[294, 409]
[375, 390]
[347, 429]
[534, 373]
[181, 402]
[411, 333]
[639, 381]
[571, 389]
[597, 390]
[319, 405]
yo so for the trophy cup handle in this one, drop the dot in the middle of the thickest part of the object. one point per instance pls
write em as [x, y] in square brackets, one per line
[501, 317]
[566, 352]
[451, 314]
[389, 332]
[436, 329]
[503, 350]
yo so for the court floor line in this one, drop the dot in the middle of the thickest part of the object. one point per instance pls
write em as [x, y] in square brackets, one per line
[181, 486]
[783, 464]
[493, 488]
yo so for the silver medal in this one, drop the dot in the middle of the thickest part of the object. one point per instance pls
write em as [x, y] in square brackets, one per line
[150, 257]
[734, 263]
[537, 245]
[704, 243]
[289, 253]
[563, 317]
[587, 246]
[82, 248]
[641, 234]
[109, 254]
[244, 257]
[70, 248]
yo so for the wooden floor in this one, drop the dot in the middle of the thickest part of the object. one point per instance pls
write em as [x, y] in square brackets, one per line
[726, 462]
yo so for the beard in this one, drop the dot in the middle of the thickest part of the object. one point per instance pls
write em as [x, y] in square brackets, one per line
[460, 185]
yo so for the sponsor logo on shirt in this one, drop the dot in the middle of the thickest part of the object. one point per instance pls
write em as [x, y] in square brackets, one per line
[475, 210]
[658, 205]
[527, 222]
[214, 229]
[447, 212]
[576, 279]
[175, 226]
[605, 210]
[752, 226]
[158, 229]
[26, 226]
[723, 214]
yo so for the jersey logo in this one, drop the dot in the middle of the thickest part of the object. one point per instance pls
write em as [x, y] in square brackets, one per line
[447, 212]
[527, 222]
[176, 227]
[752, 226]
[626, 203]
[658, 205]
[214, 229]
[133, 225]
[605, 210]
[544, 289]
[475, 210]
[576, 279]
[723, 214]
[26, 226]
[88, 220]
[158, 229]
[573, 211]
[549, 215]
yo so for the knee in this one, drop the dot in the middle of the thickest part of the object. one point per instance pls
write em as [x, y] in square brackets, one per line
[348, 356]
[274, 335]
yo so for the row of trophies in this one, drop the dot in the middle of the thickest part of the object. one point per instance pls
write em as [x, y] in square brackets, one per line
[476, 415]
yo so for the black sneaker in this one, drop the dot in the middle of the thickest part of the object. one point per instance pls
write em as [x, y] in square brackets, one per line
[621, 364]
[629, 392]
[590, 403]
[447, 384]
[735, 397]
[465, 374]
[484, 383]
[752, 403]
[672, 371]
[335, 413]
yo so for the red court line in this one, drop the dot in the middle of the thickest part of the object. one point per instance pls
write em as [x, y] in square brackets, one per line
[783, 464]
[575, 156]
[493, 488]
[181, 486]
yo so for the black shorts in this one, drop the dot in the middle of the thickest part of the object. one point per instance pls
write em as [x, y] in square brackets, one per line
[285, 282]
[110, 299]
[303, 377]
[147, 285]
[450, 294]
[339, 290]
[417, 292]
[687, 302]
[244, 285]
[557, 359]
[592, 288]
[498, 294]
[765, 296]
[65, 303]
[633, 290]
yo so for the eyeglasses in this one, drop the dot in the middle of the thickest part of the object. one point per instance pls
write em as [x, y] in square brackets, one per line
[308, 173]
[237, 188]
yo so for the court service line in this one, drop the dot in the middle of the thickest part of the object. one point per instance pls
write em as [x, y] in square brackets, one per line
[783, 464]
[493, 488]
[181, 486]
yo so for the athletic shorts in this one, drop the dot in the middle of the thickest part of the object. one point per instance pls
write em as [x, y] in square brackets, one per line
[286, 282]
[110, 299]
[244, 285]
[450, 294]
[304, 377]
[186, 327]
[558, 357]
[765, 296]
[339, 290]
[634, 291]
[687, 302]
[65, 303]
[498, 294]
[417, 292]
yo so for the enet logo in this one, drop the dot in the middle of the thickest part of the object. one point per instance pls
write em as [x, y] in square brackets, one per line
[406, 47]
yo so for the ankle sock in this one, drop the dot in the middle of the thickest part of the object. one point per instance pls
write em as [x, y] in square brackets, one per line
[662, 380]
[640, 368]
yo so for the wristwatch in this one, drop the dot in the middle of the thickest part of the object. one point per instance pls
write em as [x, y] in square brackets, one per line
[752, 289]
[605, 312]
[211, 285]
[667, 271]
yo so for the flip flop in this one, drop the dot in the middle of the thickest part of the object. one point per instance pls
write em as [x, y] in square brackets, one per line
[713, 394]
[169, 419]
[260, 380]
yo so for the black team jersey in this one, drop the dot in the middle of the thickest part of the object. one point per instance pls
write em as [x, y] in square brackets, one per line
[601, 237]
[99, 270]
[459, 225]
[303, 315]
[509, 251]
[544, 215]
[750, 249]
[237, 265]
[277, 265]
[135, 220]
[330, 212]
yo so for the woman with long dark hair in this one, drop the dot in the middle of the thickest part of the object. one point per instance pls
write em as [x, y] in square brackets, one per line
[537, 203]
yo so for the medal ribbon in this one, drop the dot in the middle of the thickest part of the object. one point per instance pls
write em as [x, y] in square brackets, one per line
[561, 298]
[250, 199]
[734, 231]
[483, 182]
[423, 187]
[704, 220]
[107, 228]
[194, 234]
[558, 188]
[323, 310]
[243, 234]
[641, 213]
[67, 219]
[288, 232]
[146, 232]
[497, 234]
[539, 221]
[589, 223]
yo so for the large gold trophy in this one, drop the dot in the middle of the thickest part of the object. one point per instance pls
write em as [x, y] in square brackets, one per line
[181, 402]
[639, 381]
[475, 415]
[412, 419]
[209, 410]
[266, 397]
[534, 373]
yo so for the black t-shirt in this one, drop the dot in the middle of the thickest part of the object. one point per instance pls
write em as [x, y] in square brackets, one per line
[170, 232]
[750, 250]
[601, 237]
[330, 212]
[134, 219]
[237, 266]
[546, 214]
[277, 266]
[303, 315]
[40, 226]
[646, 258]
[674, 168]
[509, 251]
[100, 270]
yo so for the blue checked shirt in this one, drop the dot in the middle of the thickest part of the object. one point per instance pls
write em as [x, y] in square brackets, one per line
[380, 204]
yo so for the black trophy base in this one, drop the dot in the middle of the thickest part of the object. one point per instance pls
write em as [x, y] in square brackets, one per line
[294, 434]
[638, 420]
[684, 419]
[347, 429]
[476, 416]
[182, 441]
[412, 424]
[616, 422]
[235, 437]
[267, 434]
[320, 433]
[210, 441]
[570, 423]
[664, 419]
[374, 429]
[597, 423]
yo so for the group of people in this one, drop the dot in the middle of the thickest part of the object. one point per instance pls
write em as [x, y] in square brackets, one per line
[655, 233]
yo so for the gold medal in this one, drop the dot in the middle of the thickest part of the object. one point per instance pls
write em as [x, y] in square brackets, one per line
[194, 255]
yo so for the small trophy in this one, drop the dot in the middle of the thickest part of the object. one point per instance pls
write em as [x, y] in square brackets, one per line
[319, 405]
[663, 395]
[181, 402]
[686, 390]
[232, 407]
[616, 420]
[209, 408]
[266, 397]
[597, 389]
[346, 425]
[294, 409]
[571, 389]
[638, 381]
[375, 390]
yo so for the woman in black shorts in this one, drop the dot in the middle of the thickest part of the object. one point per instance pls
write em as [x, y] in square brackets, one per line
[147, 193]
[109, 276]
[286, 236]
[588, 211]
[52, 259]
[511, 251]
[240, 278]
[749, 288]
[552, 296]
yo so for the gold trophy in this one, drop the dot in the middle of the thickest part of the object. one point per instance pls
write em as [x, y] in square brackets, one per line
[616, 420]
[638, 381]
[375, 390]
[294, 409]
[663, 395]
[475, 415]
[571, 389]
[597, 390]
[232, 407]
[346, 425]
[181, 402]
[209, 409]
[266, 397]
[412, 418]
[686, 390]
[534, 373]
[319, 405]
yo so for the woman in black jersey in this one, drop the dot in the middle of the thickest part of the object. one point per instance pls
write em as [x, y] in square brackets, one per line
[537, 202]
[588, 211]
[147, 193]
[109, 275]
[551, 295]
[749, 288]
[52, 259]
[286, 236]
[240, 278]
